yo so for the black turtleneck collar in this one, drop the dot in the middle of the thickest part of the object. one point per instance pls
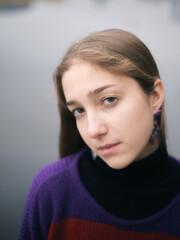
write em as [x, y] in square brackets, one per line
[137, 191]
[141, 170]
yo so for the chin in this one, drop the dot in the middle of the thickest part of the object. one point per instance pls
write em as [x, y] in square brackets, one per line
[119, 163]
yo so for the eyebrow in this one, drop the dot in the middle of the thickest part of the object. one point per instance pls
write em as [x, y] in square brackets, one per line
[92, 93]
[100, 89]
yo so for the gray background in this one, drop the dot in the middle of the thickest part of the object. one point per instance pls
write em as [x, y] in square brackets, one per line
[32, 41]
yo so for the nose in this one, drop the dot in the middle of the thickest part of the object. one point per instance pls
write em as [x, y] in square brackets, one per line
[96, 126]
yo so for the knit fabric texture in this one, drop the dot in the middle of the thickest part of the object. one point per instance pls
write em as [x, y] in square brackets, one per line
[138, 191]
[59, 207]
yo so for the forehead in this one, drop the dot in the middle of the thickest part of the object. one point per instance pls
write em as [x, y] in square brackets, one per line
[83, 78]
[87, 74]
[82, 71]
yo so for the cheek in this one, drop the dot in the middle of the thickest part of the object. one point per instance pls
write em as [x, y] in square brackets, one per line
[143, 120]
[134, 121]
[82, 131]
[142, 127]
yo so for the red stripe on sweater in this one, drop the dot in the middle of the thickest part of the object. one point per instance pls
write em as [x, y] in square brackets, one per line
[77, 229]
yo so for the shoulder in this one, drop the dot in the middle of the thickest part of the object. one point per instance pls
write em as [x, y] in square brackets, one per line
[53, 173]
[46, 195]
[175, 161]
[52, 182]
[174, 168]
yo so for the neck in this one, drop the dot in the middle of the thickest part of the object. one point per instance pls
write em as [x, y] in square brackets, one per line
[140, 170]
[149, 149]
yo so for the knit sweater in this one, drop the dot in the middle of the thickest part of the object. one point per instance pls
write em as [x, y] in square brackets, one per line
[59, 207]
[141, 189]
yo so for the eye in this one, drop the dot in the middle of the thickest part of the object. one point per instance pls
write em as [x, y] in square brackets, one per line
[77, 112]
[108, 101]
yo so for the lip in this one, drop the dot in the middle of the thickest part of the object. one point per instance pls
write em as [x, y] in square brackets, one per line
[108, 148]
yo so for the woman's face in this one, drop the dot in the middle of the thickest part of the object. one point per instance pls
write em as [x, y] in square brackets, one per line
[113, 114]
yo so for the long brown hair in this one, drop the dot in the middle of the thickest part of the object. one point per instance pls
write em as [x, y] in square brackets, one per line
[116, 51]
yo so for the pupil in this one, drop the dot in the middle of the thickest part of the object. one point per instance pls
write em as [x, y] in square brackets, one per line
[111, 99]
[80, 110]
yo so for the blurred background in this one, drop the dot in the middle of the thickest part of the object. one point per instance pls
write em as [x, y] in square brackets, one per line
[34, 35]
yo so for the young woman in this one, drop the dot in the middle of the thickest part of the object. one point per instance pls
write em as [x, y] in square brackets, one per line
[115, 179]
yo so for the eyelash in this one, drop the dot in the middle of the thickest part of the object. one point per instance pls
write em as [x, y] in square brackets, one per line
[74, 110]
[109, 104]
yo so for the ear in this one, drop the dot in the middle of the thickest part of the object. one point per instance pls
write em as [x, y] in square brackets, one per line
[157, 95]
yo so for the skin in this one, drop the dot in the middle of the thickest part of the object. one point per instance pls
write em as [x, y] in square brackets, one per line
[113, 114]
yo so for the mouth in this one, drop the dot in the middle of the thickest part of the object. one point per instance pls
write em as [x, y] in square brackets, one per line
[108, 148]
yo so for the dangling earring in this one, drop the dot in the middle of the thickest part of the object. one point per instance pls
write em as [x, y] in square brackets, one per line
[155, 130]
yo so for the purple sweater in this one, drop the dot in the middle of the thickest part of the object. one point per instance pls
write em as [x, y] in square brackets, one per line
[59, 207]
